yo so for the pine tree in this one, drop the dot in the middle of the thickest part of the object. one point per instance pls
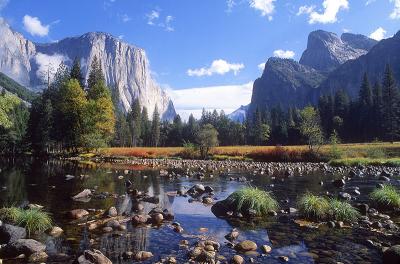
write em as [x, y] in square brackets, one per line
[376, 118]
[155, 127]
[365, 94]
[135, 122]
[364, 110]
[76, 72]
[390, 106]
[145, 127]
[96, 74]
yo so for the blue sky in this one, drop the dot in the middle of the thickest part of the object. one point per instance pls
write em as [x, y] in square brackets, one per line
[204, 43]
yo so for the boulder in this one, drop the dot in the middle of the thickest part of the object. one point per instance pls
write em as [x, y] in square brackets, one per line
[21, 246]
[93, 257]
[10, 233]
[38, 257]
[82, 195]
[112, 212]
[237, 259]
[56, 231]
[246, 245]
[139, 220]
[143, 255]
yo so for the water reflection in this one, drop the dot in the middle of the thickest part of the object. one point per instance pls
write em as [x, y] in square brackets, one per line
[45, 183]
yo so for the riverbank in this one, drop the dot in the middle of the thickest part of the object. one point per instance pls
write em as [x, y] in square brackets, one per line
[342, 154]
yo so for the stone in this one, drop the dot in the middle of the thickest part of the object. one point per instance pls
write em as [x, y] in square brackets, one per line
[266, 249]
[339, 183]
[22, 246]
[157, 218]
[143, 255]
[38, 257]
[392, 255]
[78, 213]
[194, 253]
[93, 257]
[10, 233]
[107, 229]
[83, 194]
[345, 196]
[139, 219]
[283, 258]
[232, 235]
[112, 212]
[246, 245]
[208, 200]
[171, 260]
[56, 231]
[237, 259]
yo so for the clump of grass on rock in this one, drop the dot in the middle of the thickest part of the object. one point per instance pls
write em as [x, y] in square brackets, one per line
[250, 198]
[34, 220]
[319, 208]
[387, 196]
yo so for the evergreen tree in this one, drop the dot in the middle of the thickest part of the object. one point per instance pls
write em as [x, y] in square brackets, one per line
[390, 107]
[155, 127]
[146, 127]
[364, 110]
[376, 118]
[96, 73]
[76, 72]
[135, 122]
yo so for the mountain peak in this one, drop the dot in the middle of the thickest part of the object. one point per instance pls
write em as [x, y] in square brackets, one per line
[326, 51]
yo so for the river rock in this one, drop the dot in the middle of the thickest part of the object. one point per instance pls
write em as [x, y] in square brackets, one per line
[10, 233]
[139, 219]
[237, 259]
[339, 183]
[232, 235]
[157, 218]
[38, 257]
[112, 212]
[392, 255]
[21, 246]
[266, 249]
[246, 245]
[93, 257]
[56, 231]
[78, 213]
[83, 194]
[143, 255]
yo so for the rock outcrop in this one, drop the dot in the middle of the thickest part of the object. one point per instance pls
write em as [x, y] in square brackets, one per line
[126, 67]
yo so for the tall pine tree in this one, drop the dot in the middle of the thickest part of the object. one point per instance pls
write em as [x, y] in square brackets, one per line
[155, 128]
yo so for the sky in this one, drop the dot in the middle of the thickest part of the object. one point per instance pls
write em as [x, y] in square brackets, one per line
[205, 53]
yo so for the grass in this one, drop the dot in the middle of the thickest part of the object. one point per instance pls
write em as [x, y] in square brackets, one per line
[387, 196]
[378, 153]
[250, 198]
[315, 207]
[342, 211]
[33, 220]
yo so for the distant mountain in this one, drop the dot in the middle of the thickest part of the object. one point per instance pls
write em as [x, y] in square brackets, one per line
[329, 63]
[285, 82]
[15, 88]
[239, 115]
[326, 51]
[125, 66]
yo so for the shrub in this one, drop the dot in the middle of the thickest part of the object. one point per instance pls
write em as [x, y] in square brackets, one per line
[250, 198]
[313, 207]
[342, 211]
[388, 196]
[190, 151]
[376, 153]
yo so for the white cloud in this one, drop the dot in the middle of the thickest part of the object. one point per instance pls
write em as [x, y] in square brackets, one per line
[261, 66]
[3, 3]
[369, 2]
[48, 63]
[396, 11]
[220, 67]
[266, 7]
[33, 26]
[329, 13]
[305, 10]
[230, 4]
[346, 30]
[125, 18]
[284, 54]
[193, 100]
[378, 34]
[154, 18]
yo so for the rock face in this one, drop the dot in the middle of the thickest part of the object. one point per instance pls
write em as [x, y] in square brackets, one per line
[326, 51]
[285, 82]
[239, 115]
[126, 67]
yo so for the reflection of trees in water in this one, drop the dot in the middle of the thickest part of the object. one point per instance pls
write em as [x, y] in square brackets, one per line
[134, 240]
[15, 194]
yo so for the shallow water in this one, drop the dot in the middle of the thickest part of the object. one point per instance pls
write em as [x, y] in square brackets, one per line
[44, 183]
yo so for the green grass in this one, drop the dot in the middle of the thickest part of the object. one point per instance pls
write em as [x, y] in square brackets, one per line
[34, 220]
[313, 207]
[9, 214]
[391, 162]
[319, 208]
[250, 198]
[388, 197]
[342, 211]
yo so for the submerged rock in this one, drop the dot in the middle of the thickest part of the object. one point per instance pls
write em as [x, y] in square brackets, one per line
[78, 213]
[83, 194]
[21, 246]
[93, 257]
[246, 245]
[143, 255]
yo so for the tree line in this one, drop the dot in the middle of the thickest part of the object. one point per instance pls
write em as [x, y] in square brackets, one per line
[71, 115]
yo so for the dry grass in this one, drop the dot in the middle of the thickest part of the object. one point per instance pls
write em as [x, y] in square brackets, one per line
[264, 153]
